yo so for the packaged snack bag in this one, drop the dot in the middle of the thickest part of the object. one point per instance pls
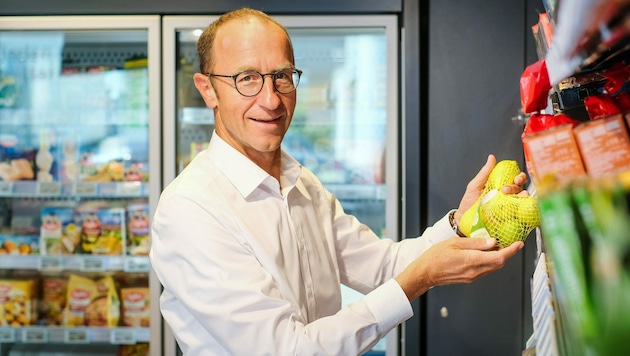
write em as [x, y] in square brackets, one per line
[535, 87]
[104, 309]
[17, 301]
[59, 233]
[138, 229]
[600, 106]
[81, 291]
[103, 231]
[616, 77]
[53, 299]
[135, 306]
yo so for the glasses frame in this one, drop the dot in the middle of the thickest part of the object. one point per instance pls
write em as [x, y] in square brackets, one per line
[262, 75]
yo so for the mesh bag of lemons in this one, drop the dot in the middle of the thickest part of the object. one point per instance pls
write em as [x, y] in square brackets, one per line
[505, 217]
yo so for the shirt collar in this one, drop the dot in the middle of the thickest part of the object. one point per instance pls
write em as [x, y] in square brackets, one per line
[245, 174]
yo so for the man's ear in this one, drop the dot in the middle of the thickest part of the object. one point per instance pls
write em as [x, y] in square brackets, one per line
[202, 83]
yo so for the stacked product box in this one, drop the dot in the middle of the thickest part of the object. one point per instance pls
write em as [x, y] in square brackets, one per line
[594, 149]
[604, 145]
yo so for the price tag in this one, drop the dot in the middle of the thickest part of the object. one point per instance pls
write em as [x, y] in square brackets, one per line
[49, 188]
[6, 188]
[77, 336]
[7, 335]
[122, 336]
[129, 188]
[137, 264]
[93, 264]
[34, 335]
[50, 263]
[143, 334]
[85, 188]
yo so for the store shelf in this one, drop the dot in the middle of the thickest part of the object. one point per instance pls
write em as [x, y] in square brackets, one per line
[567, 304]
[69, 335]
[28, 189]
[544, 313]
[85, 263]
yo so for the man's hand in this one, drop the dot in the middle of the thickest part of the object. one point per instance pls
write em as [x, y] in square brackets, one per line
[456, 260]
[476, 186]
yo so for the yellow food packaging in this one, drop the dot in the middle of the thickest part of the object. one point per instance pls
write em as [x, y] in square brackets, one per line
[81, 292]
[17, 303]
[53, 300]
[105, 308]
[135, 306]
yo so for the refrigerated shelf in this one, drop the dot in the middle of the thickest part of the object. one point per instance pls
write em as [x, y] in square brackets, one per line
[83, 263]
[72, 335]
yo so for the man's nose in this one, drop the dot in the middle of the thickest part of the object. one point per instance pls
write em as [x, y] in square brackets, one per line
[269, 94]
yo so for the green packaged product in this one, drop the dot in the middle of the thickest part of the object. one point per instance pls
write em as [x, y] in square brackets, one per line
[611, 273]
[562, 240]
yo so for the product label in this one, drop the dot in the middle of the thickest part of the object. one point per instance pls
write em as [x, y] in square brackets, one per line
[604, 145]
[554, 152]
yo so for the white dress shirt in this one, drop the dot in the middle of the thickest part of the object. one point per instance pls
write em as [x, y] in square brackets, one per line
[251, 266]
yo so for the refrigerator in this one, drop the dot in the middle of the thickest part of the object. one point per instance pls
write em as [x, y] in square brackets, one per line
[345, 127]
[80, 173]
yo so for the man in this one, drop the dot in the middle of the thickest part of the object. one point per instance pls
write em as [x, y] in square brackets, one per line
[251, 248]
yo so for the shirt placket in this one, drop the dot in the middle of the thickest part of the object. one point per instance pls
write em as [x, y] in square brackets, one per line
[305, 267]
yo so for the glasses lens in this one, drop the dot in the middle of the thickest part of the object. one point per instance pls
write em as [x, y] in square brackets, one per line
[249, 83]
[286, 80]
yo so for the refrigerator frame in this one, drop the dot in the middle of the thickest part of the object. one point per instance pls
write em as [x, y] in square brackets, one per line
[152, 24]
[172, 23]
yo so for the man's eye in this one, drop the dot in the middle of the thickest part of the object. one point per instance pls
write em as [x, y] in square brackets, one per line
[248, 77]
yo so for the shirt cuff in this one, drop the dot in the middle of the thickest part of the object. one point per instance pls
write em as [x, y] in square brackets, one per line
[443, 229]
[389, 305]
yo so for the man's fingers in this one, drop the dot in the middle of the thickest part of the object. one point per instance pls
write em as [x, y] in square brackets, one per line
[482, 176]
[511, 250]
[517, 186]
[520, 179]
[477, 243]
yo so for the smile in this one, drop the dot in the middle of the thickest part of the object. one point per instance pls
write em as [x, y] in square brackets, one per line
[260, 120]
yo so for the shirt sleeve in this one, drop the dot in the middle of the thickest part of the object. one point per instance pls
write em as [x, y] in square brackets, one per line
[389, 305]
[357, 244]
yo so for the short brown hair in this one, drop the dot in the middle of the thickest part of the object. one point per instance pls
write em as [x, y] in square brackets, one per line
[206, 40]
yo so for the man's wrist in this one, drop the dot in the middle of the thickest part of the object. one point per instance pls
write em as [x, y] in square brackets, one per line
[454, 226]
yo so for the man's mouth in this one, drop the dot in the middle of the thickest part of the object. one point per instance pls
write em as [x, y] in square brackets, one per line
[265, 120]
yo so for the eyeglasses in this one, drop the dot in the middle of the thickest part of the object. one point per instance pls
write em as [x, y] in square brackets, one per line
[250, 82]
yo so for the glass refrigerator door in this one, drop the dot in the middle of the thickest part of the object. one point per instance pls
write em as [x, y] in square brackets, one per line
[79, 170]
[345, 124]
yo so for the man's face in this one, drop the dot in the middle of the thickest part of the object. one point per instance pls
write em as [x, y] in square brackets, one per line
[253, 125]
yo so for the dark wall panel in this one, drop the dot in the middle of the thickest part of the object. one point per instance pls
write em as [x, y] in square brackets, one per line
[476, 57]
